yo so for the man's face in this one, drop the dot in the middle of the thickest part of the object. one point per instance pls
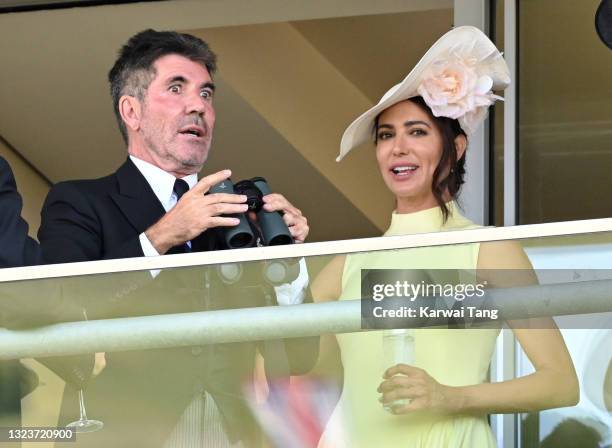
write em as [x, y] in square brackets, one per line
[178, 117]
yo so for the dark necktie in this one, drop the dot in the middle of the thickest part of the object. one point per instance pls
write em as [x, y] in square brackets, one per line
[180, 188]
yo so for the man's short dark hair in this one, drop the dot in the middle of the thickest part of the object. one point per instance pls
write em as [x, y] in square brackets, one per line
[133, 70]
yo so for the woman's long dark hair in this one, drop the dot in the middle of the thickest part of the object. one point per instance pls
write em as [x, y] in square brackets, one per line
[449, 173]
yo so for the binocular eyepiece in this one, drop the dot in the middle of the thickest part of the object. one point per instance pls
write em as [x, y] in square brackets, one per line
[274, 231]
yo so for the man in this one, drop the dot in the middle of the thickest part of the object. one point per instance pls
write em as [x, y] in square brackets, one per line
[16, 249]
[162, 91]
[164, 105]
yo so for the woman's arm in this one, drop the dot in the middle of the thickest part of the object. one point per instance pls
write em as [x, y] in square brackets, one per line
[553, 384]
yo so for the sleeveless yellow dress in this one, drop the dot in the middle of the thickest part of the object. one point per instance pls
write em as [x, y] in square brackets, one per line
[454, 357]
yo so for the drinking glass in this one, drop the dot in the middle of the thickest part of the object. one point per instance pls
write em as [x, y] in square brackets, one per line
[398, 348]
[83, 424]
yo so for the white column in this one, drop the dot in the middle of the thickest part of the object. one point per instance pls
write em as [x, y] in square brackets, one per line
[475, 193]
[510, 122]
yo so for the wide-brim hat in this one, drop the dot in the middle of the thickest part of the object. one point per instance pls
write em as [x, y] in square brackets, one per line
[465, 52]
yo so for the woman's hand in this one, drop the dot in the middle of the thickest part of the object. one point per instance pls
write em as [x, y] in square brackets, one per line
[404, 381]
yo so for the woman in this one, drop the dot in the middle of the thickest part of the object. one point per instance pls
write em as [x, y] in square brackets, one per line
[421, 128]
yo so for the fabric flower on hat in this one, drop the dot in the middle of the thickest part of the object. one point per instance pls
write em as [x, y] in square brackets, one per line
[453, 88]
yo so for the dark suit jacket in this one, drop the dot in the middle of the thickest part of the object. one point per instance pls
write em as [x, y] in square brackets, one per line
[140, 395]
[16, 249]
[21, 304]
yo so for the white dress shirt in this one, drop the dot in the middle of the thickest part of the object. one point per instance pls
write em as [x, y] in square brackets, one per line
[162, 184]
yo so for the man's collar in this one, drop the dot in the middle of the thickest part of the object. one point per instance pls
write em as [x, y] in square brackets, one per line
[161, 182]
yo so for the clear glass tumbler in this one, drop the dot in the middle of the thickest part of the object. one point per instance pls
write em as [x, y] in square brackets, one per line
[398, 348]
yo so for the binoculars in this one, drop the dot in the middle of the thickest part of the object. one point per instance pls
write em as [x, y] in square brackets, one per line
[274, 231]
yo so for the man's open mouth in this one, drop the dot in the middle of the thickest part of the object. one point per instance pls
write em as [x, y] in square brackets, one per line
[192, 130]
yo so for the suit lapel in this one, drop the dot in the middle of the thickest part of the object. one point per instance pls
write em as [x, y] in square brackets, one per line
[138, 203]
[135, 198]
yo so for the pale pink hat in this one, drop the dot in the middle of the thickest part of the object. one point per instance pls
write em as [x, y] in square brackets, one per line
[455, 78]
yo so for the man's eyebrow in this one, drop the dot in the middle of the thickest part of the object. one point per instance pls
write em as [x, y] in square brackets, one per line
[208, 85]
[177, 78]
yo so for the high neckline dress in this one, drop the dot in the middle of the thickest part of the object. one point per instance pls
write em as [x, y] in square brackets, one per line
[453, 357]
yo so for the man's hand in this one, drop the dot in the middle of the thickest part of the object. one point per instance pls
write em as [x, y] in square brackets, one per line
[195, 213]
[296, 222]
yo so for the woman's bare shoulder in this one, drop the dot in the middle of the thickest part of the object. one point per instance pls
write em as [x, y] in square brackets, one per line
[502, 255]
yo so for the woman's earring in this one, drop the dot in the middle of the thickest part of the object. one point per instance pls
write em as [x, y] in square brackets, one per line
[452, 170]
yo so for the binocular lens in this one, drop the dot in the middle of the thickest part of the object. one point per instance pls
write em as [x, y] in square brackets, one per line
[278, 272]
[279, 240]
[240, 240]
[275, 272]
[230, 272]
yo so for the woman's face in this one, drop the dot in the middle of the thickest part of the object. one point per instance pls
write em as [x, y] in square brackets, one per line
[408, 149]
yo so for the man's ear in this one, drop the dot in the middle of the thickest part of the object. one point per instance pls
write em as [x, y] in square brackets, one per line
[460, 145]
[131, 112]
